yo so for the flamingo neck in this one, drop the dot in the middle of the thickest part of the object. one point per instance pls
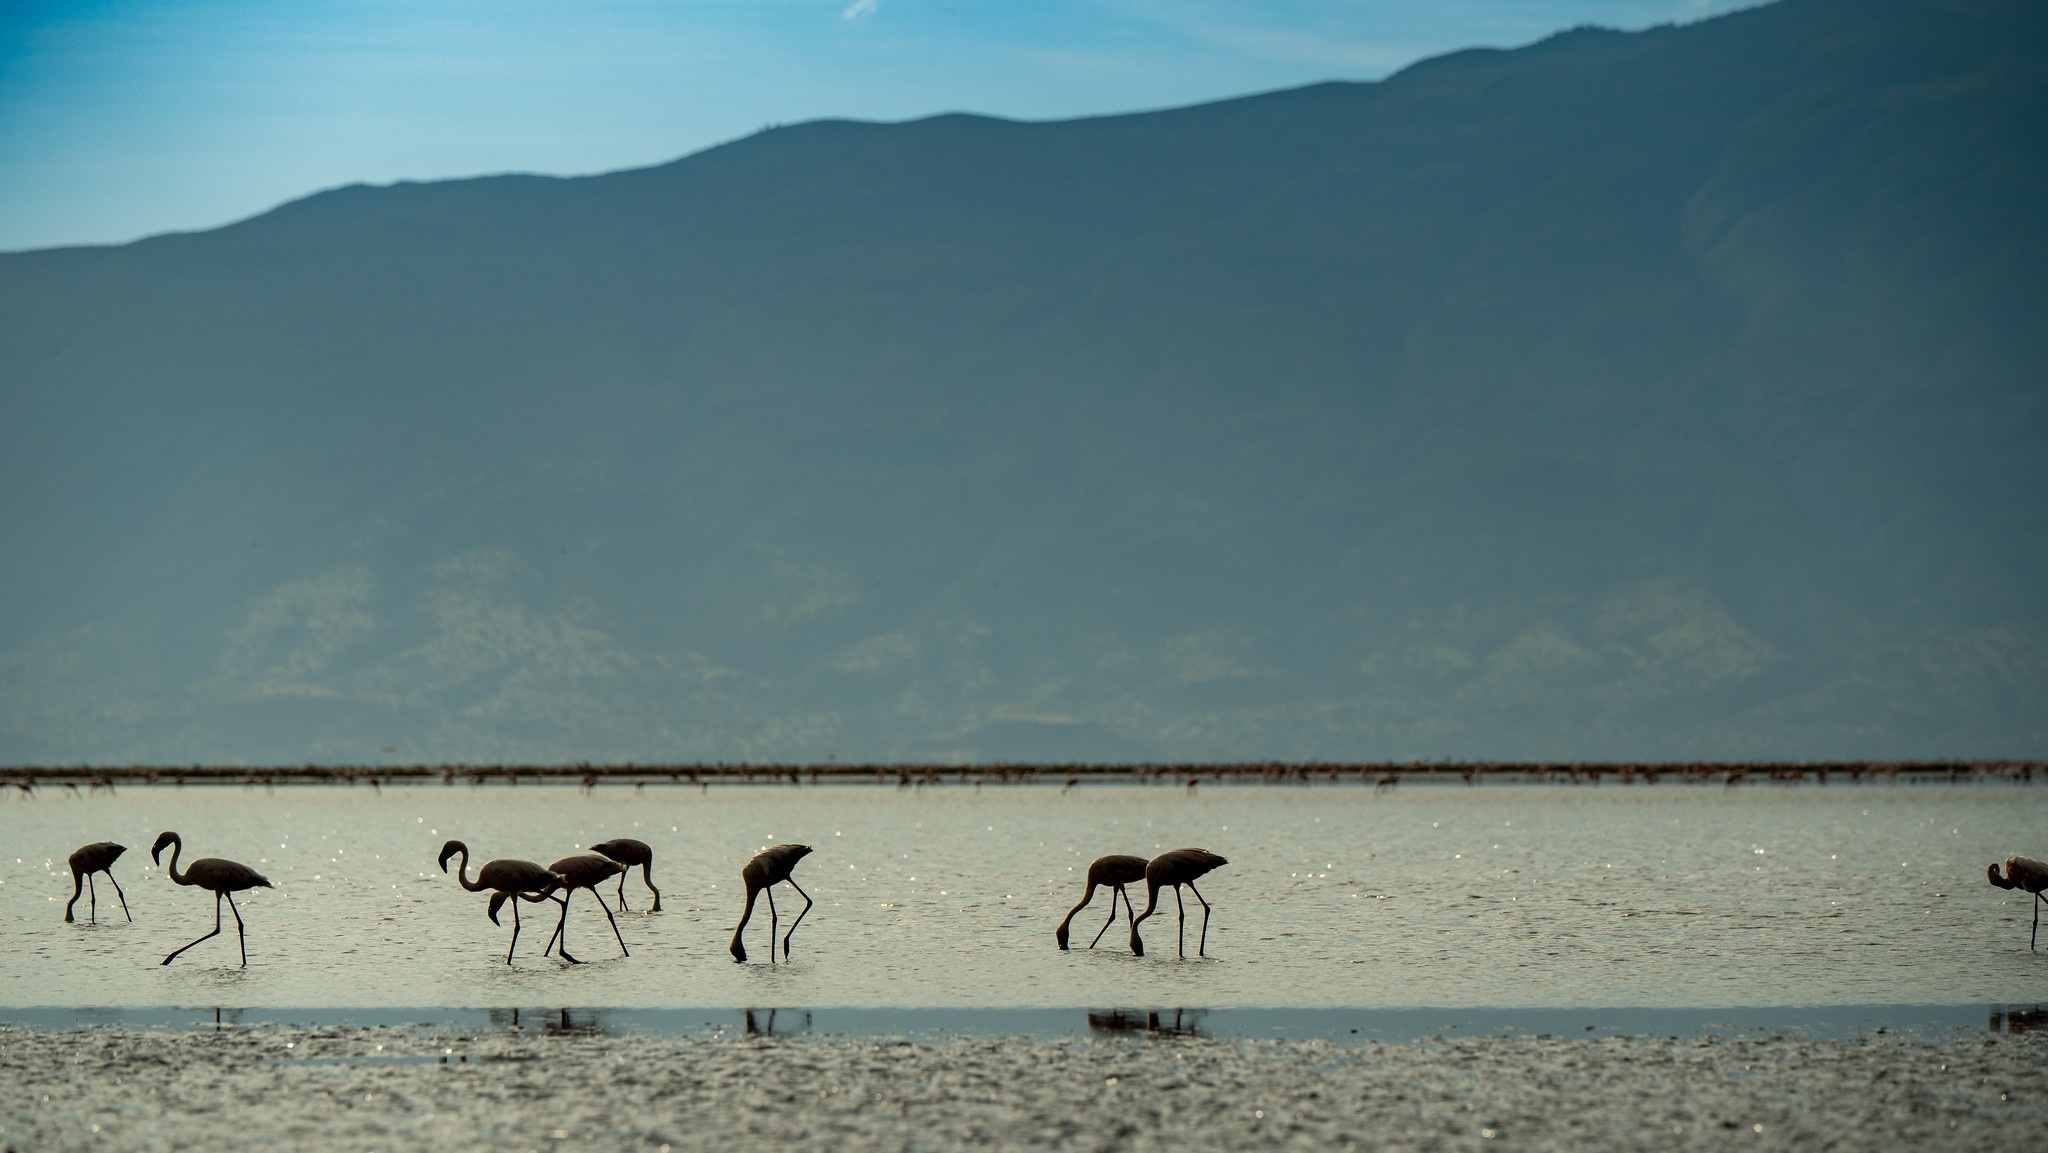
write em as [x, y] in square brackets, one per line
[462, 873]
[1151, 901]
[171, 869]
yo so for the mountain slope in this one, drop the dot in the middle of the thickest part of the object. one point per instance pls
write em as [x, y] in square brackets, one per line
[1675, 393]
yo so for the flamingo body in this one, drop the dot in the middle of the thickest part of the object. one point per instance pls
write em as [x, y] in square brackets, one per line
[769, 867]
[629, 852]
[222, 877]
[506, 878]
[1176, 868]
[2024, 873]
[585, 871]
[1113, 872]
[98, 857]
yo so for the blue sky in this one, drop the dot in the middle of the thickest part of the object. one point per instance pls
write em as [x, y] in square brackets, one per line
[121, 118]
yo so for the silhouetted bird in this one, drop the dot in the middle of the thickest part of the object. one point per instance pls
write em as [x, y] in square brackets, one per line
[222, 878]
[629, 852]
[508, 879]
[1114, 871]
[769, 867]
[97, 857]
[2030, 875]
[584, 871]
[1177, 868]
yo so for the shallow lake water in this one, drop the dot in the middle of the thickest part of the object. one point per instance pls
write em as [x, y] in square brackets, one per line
[1497, 895]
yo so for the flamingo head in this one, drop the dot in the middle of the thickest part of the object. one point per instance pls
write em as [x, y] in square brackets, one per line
[163, 841]
[450, 849]
[2001, 882]
[497, 902]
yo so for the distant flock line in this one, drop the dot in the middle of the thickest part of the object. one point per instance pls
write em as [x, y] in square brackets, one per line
[26, 779]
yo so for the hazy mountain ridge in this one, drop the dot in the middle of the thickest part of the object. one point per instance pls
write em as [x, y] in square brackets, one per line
[1675, 393]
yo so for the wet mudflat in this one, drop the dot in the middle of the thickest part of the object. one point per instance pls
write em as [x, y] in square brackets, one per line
[399, 1088]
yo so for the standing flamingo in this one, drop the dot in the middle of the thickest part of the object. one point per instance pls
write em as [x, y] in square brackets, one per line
[508, 878]
[1177, 868]
[2020, 873]
[629, 852]
[1114, 871]
[224, 878]
[97, 857]
[768, 867]
[584, 871]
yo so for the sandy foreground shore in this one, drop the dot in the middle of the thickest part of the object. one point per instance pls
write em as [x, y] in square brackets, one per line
[387, 1088]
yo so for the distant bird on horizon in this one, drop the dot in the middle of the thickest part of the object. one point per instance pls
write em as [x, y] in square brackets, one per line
[1114, 871]
[97, 857]
[508, 879]
[2027, 874]
[222, 878]
[584, 871]
[629, 852]
[768, 868]
[1178, 867]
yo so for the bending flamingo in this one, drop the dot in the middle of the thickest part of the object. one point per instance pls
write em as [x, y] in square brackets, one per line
[1114, 871]
[222, 878]
[1177, 868]
[97, 857]
[768, 868]
[584, 871]
[629, 852]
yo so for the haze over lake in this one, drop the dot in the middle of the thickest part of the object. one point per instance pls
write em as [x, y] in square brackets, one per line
[1669, 394]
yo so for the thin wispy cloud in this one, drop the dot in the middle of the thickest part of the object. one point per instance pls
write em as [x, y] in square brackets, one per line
[859, 9]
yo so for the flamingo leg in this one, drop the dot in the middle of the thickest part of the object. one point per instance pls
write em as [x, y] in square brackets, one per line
[793, 924]
[215, 933]
[2035, 935]
[77, 885]
[647, 875]
[515, 932]
[1182, 906]
[608, 916]
[239, 934]
[92, 900]
[562, 927]
[622, 892]
[1202, 950]
[1112, 917]
[771, 923]
[120, 894]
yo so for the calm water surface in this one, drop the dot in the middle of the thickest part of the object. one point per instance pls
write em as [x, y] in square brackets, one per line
[1536, 896]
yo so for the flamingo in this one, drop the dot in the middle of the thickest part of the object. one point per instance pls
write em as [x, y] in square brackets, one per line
[97, 857]
[508, 878]
[768, 867]
[2020, 873]
[584, 871]
[1114, 871]
[223, 878]
[1178, 867]
[629, 852]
